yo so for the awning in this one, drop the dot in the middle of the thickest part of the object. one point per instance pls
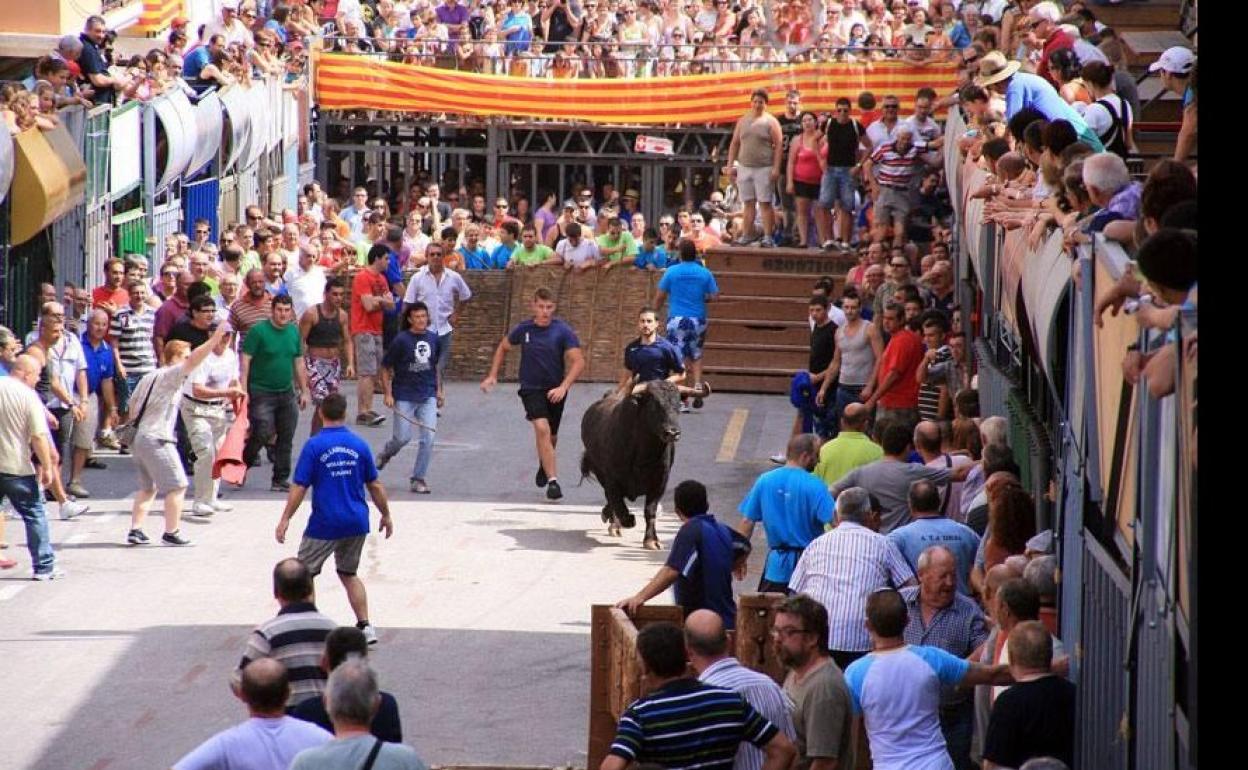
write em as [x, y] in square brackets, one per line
[208, 122]
[236, 128]
[176, 120]
[1046, 276]
[49, 179]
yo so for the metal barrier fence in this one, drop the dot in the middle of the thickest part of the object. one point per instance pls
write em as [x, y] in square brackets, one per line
[1121, 463]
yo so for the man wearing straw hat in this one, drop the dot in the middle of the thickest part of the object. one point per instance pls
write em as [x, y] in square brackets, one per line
[1023, 89]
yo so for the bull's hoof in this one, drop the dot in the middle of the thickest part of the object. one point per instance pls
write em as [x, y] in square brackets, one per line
[652, 544]
[627, 520]
[606, 514]
[613, 530]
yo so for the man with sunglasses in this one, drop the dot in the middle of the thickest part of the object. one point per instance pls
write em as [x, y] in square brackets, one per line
[884, 130]
[848, 145]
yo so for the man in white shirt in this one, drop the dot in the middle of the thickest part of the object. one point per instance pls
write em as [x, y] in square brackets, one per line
[230, 25]
[444, 292]
[305, 281]
[884, 130]
[575, 250]
[23, 424]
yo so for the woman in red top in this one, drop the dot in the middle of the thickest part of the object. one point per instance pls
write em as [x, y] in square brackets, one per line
[808, 159]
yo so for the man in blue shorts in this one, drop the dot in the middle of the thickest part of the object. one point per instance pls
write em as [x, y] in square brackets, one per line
[337, 465]
[550, 361]
[690, 285]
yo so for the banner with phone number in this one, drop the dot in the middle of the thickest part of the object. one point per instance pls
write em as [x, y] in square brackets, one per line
[358, 82]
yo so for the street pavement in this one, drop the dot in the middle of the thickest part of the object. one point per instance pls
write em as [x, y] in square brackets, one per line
[481, 598]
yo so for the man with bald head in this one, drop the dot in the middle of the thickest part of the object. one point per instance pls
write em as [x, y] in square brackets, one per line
[928, 443]
[939, 616]
[1036, 716]
[269, 739]
[706, 641]
[929, 526]
[254, 306]
[23, 423]
[851, 448]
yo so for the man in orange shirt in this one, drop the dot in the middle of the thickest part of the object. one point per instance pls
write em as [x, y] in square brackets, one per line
[702, 238]
[897, 389]
[370, 298]
[112, 296]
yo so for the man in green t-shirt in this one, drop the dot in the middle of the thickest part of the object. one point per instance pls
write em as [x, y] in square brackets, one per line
[272, 373]
[616, 245]
[530, 252]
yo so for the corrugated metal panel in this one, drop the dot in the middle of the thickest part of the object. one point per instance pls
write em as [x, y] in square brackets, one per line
[200, 200]
[130, 233]
[99, 237]
[1102, 697]
[993, 384]
[69, 248]
[228, 211]
[1033, 450]
[248, 191]
[1154, 729]
[167, 219]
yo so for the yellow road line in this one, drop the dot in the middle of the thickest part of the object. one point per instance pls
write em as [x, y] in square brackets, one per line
[732, 436]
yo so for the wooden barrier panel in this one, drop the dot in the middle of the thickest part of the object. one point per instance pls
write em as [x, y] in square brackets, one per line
[755, 613]
[615, 672]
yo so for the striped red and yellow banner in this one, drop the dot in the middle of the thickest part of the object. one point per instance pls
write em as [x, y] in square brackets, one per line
[350, 82]
[157, 14]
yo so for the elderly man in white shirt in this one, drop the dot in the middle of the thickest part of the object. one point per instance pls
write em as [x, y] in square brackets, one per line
[305, 280]
[444, 291]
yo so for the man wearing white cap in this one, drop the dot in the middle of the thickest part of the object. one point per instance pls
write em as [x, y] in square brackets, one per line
[1044, 19]
[1176, 66]
[1023, 89]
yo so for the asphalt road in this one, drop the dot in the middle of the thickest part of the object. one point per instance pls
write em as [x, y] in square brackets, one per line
[482, 597]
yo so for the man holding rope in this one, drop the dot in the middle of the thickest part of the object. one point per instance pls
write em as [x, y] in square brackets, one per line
[413, 389]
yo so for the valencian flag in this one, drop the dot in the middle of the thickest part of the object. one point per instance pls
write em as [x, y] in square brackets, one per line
[355, 82]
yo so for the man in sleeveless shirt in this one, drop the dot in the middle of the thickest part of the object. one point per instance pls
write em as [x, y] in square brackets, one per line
[326, 333]
[758, 145]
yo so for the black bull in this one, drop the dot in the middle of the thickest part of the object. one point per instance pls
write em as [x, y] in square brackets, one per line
[630, 442]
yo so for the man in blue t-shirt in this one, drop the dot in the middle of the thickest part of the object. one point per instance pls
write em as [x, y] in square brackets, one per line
[651, 357]
[700, 566]
[412, 388]
[1023, 89]
[337, 465]
[930, 526]
[690, 285]
[794, 505]
[550, 361]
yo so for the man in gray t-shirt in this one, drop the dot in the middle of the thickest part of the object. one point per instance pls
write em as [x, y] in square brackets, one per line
[889, 478]
[352, 698]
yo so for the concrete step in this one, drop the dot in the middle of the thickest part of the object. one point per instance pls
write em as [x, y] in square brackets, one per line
[756, 356]
[1151, 14]
[731, 379]
[748, 332]
[730, 259]
[1142, 47]
[755, 283]
[758, 308]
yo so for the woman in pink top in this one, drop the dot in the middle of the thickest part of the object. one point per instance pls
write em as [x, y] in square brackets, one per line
[808, 158]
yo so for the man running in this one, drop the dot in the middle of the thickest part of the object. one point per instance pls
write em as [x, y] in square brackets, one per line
[550, 362]
[412, 387]
[277, 389]
[337, 465]
[326, 333]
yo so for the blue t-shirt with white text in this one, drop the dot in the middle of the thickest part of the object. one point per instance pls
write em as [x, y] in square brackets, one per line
[336, 464]
[923, 533]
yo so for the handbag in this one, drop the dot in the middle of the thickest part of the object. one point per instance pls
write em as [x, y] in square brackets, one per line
[126, 433]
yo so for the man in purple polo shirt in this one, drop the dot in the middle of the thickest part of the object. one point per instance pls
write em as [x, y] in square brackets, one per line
[455, 17]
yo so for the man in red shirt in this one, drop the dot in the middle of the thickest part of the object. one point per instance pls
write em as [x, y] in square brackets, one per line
[1044, 20]
[112, 296]
[370, 297]
[897, 389]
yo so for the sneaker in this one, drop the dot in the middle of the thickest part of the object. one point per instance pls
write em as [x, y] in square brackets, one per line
[684, 408]
[73, 510]
[222, 507]
[96, 464]
[76, 489]
[174, 538]
[778, 459]
[766, 243]
[553, 492]
[745, 240]
[56, 573]
[123, 450]
[377, 419]
[419, 487]
[383, 460]
[541, 477]
[108, 441]
[138, 537]
[279, 486]
[202, 509]
[370, 633]
[829, 245]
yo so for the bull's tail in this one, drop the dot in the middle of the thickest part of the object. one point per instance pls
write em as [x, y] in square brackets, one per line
[587, 472]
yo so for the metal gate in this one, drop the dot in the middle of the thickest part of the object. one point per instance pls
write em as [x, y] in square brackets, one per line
[1102, 696]
[130, 234]
[248, 193]
[227, 211]
[166, 221]
[200, 200]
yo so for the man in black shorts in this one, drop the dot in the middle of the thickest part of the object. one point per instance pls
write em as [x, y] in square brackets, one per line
[550, 361]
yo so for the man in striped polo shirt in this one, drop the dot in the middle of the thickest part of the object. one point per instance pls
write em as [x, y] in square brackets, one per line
[683, 723]
[130, 334]
[894, 164]
[707, 642]
[295, 636]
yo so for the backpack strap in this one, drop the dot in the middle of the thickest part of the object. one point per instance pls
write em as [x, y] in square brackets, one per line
[372, 755]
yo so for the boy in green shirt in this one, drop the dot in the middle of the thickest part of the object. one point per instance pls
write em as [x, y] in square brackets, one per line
[530, 252]
[616, 245]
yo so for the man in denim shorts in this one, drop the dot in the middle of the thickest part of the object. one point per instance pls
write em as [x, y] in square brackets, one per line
[690, 285]
[846, 142]
[337, 465]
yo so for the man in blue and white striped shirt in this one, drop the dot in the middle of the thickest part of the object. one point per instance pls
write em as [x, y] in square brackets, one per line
[707, 643]
[841, 568]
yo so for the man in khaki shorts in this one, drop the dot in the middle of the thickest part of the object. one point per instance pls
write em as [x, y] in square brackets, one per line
[758, 144]
[337, 465]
